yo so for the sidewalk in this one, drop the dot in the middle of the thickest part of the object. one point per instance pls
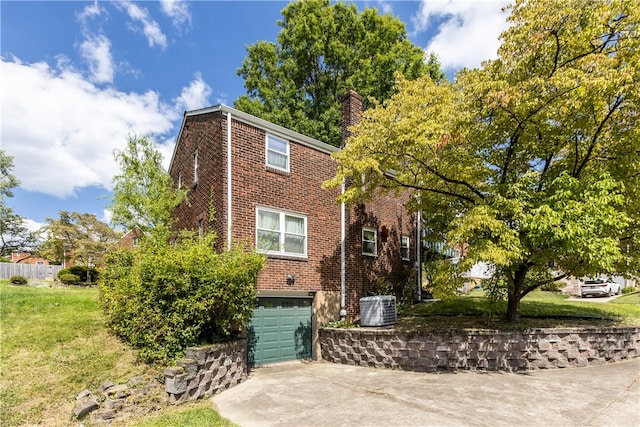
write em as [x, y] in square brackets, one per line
[326, 394]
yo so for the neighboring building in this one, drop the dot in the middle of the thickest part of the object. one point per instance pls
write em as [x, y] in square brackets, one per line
[265, 183]
[130, 239]
[27, 258]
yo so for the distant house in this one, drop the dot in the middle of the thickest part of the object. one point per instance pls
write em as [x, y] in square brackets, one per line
[265, 183]
[27, 258]
[130, 239]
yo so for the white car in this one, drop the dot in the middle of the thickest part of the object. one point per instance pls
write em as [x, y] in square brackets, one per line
[599, 287]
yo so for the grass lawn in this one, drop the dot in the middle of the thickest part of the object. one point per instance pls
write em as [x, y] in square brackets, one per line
[539, 309]
[54, 344]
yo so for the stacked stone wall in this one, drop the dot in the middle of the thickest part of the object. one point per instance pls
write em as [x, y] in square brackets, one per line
[479, 349]
[206, 371]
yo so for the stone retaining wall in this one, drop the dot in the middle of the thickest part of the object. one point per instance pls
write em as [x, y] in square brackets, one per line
[206, 371]
[479, 349]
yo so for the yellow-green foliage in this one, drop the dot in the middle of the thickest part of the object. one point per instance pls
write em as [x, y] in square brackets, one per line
[530, 162]
[165, 297]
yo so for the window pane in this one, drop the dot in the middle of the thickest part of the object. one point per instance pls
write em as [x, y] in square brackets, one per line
[368, 247]
[294, 225]
[268, 240]
[276, 160]
[294, 244]
[269, 220]
[277, 144]
[369, 235]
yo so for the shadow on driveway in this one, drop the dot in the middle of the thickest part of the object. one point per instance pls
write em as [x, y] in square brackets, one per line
[326, 394]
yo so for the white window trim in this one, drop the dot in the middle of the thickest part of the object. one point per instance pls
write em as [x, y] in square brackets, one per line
[282, 233]
[407, 247]
[195, 167]
[375, 241]
[266, 153]
[179, 180]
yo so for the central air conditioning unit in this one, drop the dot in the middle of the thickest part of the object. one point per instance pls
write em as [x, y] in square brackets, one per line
[379, 310]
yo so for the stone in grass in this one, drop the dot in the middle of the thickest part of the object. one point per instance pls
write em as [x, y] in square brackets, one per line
[83, 394]
[83, 408]
[136, 381]
[105, 385]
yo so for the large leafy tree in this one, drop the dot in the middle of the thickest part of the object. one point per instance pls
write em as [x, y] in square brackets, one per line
[532, 160]
[80, 237]
[144, 195]
[322, 51]
[14, 234]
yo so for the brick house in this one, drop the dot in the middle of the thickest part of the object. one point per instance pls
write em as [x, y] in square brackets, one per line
[27, 258]
[264, 182]
[130, 239]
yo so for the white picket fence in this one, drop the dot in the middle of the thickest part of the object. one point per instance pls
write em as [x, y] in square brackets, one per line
[30, 271]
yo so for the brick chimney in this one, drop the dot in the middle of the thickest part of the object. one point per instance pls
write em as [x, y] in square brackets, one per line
[351, 113]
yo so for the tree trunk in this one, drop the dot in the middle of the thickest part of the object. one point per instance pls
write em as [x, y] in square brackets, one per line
[515, 294]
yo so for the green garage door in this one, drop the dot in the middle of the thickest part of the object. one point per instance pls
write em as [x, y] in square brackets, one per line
[279, 330]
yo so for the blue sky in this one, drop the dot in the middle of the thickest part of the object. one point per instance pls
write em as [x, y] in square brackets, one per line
[77, 78]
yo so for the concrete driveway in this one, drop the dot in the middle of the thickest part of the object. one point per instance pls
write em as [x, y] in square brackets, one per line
[326, 394]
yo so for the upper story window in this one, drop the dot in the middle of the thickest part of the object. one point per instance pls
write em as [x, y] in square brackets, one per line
[369, 241]
[277, 153]
[281, 233]
[195, 167]
[135, 242]
[404, 248]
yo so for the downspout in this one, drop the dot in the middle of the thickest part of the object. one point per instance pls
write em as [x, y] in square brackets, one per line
[343, 248]
[419, 256]
[229, 180]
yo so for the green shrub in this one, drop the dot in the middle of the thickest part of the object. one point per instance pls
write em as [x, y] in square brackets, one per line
[164, 298]
[18, 280]
[628, 290]
[553, 286]
[82, 272]
[69, 279]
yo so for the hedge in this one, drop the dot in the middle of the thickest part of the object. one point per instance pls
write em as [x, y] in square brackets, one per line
[163, 298]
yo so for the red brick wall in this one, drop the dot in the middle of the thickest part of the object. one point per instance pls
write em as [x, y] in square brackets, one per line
[385, 213]
[27, 258]
[297, 191]
[128, 240]
[205, 133]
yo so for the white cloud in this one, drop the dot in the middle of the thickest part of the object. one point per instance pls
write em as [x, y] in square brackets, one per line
[150, 28]
[194, 96]
[89, 11]
[178, 11]
[62, 129]
[107, 215]
[467, 31]
[32, 225]
[96, 50]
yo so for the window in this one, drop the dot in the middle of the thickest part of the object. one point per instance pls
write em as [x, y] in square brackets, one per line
[195, 167]
[135, 242]
[280, 232]
[179, 180]
[404, 248]
[369, 241]
[39, 262]
[277, 153]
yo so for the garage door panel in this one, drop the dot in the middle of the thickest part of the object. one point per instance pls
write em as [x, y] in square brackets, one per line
[280, 330]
